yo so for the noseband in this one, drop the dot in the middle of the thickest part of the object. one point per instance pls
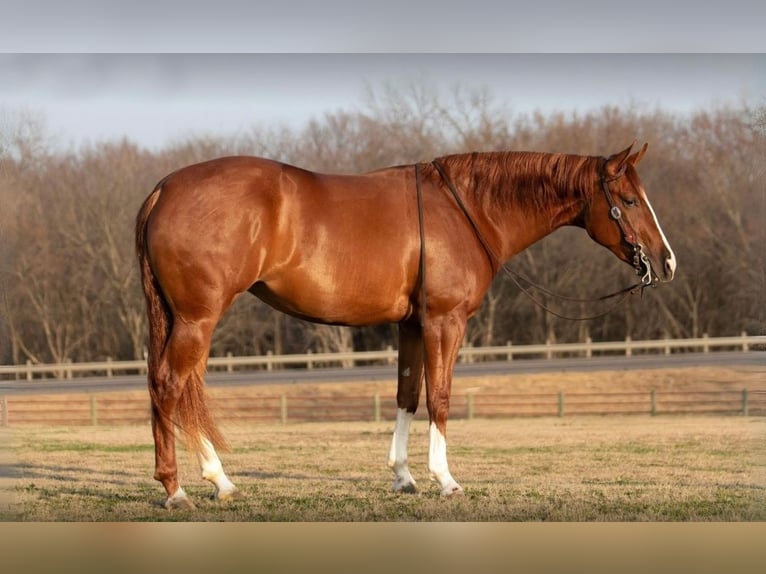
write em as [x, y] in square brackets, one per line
[640, 262]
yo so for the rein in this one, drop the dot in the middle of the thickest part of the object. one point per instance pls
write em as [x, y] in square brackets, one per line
[422, 248]
[639, 258]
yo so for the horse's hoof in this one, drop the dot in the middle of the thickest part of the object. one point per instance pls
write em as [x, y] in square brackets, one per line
[229, 495]
[452, 490]
[177, 502]
[408, 488]
[405, 484]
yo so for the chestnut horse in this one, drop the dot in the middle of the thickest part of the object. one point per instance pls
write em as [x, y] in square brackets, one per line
[354, 250]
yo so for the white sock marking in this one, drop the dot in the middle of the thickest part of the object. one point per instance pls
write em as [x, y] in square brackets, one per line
[397, 454]
[212, 469]
[437, 462]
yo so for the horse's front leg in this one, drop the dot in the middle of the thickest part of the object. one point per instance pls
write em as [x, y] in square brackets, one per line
[443, 336]
[410, 379]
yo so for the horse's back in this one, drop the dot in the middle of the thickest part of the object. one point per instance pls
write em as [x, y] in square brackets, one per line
[221, 177]
[250, 178]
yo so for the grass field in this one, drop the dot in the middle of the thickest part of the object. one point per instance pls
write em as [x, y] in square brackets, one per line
[614, 468]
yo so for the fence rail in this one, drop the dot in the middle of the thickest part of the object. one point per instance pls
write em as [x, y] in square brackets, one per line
[509, 352]
[107, 409]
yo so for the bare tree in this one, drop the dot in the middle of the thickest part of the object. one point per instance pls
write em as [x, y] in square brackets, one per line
[69, 284]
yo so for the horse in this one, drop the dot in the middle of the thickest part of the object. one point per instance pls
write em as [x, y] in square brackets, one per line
[416, 245]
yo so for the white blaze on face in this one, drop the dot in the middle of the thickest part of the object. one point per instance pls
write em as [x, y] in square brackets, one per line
[671, 260]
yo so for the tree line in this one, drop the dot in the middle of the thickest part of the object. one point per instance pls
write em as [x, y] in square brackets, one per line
[69, 283]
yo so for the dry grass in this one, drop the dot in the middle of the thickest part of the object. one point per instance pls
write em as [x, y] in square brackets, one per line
[584, 468]
[611, 468]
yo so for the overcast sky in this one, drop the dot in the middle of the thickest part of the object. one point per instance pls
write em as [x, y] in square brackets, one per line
[382, 26]
[155, 98]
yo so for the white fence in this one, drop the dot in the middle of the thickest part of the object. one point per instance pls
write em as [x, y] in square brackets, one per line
[309, 360]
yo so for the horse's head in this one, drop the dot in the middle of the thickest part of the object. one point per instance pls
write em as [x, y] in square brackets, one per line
[620, 217]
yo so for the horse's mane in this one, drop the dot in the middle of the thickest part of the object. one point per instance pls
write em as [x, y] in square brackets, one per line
[527, 180]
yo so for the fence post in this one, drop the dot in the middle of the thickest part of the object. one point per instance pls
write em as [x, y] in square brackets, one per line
[705, 344]
[142, 369]
[666, 338]
[93, 411]
[561, 403]
[469, 406]
[229, 366]
[628, 348]
[745, 406]
[509, 355]
[29, 370]
[653, 397]
[4, 403]
[376, 407]
[588, 348]
[109, 372]
[745, 346]
[269, 363]
[309, 363]
[283, 408]
[549, 351]
[467, 356]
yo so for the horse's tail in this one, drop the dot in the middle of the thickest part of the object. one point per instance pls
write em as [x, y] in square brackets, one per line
[192, 415]
[156, 305]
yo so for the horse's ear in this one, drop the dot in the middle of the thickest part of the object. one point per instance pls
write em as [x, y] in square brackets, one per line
[636, 157]
[615, 164]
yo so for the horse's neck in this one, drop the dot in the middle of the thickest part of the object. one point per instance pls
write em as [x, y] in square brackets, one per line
[514, 227]
[522, 228]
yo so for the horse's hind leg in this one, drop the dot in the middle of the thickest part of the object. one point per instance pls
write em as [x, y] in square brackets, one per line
[207, 457]
[410, 379]
[212, 471]
[166, 388]
[177, 400]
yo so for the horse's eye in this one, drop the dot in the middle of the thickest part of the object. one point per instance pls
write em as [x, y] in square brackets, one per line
[630, 201]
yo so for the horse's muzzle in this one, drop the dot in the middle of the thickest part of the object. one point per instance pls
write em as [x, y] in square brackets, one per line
[665, 271]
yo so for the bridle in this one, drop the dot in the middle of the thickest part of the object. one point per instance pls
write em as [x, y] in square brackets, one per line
[640, 262]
